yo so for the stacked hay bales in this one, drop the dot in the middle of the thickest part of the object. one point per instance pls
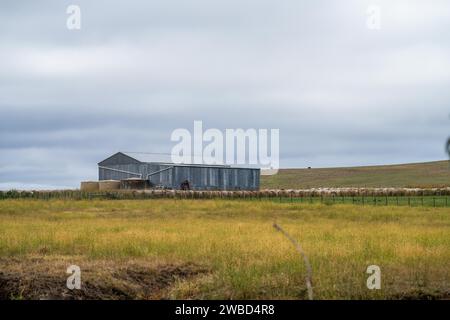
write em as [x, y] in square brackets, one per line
[108, 185]
[89, 186]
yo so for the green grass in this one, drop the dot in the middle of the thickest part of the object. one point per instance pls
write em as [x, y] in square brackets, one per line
[425, 175]
[235, 240]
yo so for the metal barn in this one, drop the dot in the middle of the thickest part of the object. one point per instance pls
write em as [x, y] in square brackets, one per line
[121, 166]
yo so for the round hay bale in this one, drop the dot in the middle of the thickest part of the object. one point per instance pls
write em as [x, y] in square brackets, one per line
[89, 186]
[172, 193]
[107, 185]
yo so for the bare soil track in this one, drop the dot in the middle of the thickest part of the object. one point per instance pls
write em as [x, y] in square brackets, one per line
[40, 278]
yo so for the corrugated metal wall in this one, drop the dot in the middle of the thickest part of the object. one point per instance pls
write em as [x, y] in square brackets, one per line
[199, 177]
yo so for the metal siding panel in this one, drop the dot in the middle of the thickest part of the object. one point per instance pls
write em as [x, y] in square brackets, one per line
[198, 177]
[204, 175]
[213, 178]
[241, 175]
[225, 179]
[220, 174]
[105, 174]
[164, 178]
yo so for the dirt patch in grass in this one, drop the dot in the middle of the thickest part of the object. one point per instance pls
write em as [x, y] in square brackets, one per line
[44, 278]
[422, 295]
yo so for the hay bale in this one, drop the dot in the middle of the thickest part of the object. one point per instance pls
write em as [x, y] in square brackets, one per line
[106, 185]
[89, 186]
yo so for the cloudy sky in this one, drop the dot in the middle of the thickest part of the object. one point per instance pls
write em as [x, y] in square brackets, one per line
[342, 94]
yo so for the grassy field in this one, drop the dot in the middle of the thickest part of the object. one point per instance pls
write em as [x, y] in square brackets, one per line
[423, 175]
[221, 249]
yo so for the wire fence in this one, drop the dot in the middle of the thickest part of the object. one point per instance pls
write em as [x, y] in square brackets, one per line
[412, 201]
[363, 200]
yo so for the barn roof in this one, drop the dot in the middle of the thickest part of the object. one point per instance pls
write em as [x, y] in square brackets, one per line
[141, 157]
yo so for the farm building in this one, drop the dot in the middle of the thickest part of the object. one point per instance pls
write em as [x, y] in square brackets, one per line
[121, 166]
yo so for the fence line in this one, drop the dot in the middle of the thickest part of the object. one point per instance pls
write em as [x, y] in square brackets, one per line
[425, 199]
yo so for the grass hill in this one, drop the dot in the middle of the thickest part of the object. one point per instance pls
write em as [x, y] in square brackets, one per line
[425, 175]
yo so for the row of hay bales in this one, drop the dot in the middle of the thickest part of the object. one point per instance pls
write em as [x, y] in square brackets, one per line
[200, 194]
[319, 192]
[355, 192]
[92, 191]
[111, 185]
[139, 184]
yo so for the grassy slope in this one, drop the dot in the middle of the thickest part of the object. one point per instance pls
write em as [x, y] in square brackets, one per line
[235, 240]
[428, 174]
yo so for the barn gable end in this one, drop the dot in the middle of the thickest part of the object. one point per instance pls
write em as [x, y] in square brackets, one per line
[117, 159]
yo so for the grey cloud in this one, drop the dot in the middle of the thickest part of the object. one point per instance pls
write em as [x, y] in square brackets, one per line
[339, 93]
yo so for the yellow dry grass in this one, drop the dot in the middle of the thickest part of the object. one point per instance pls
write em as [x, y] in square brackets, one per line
[236, 241]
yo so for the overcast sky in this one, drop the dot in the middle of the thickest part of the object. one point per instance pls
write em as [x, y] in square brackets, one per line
[341, 94]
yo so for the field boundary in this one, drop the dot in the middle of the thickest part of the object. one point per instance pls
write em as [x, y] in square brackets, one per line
[391, 197]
